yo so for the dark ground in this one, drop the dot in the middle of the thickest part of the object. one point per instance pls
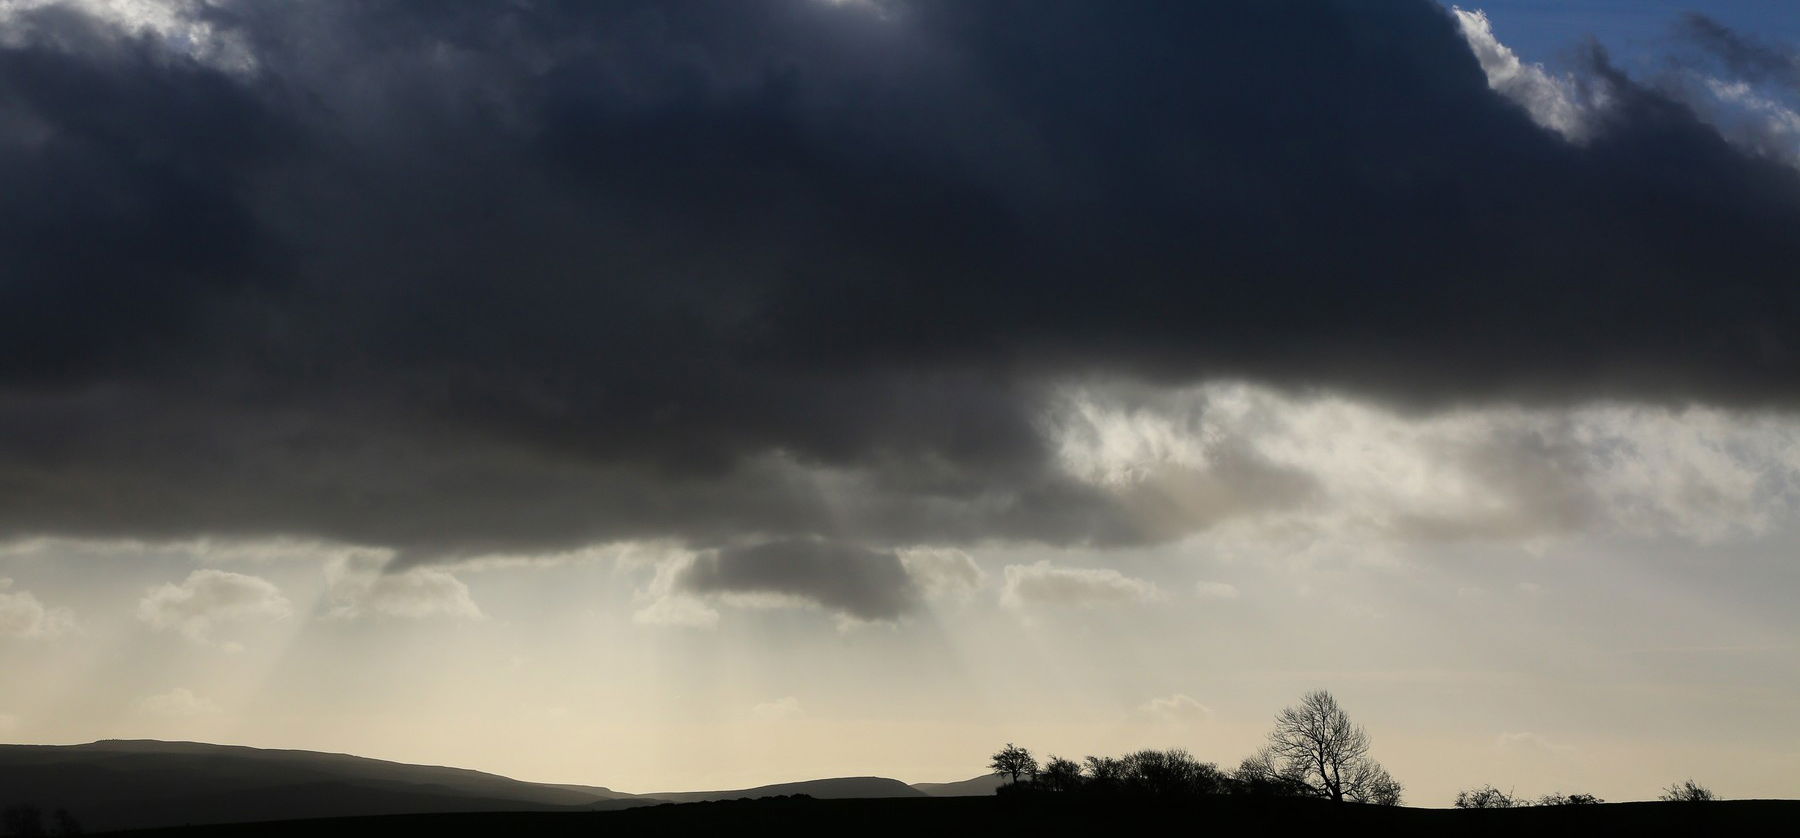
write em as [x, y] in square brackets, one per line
[994, 816]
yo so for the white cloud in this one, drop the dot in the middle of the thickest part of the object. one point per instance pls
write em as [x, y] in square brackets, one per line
[942, 572]
[1375, 476]
[779, 710]
[1753, 119]
[676, 610]
[1554, 103]
[209, 598]
[179, 26]
[1528, 741]
[1175, 709]
[22, 615]
[359, 586]
[663, 602]
[1046, 584]
[178, 703]
[1215, 590]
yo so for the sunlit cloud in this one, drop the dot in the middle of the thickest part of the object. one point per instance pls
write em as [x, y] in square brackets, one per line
[679, 610]
[178, 703]
[1045, 584]
[23, 616]
[943, 572]
[208, 599]
[779, 710]
[179, 26]
[1175, 709]
[1504, 473]
[363, 586]
[1216, 590]
[1557, 103]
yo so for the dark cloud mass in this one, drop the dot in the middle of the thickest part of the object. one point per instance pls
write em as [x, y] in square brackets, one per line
[867, 584]
[455, 278]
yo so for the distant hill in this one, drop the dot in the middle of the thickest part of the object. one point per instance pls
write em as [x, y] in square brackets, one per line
[121, 784]
[973, 787]
[832, 789]
[133, 784]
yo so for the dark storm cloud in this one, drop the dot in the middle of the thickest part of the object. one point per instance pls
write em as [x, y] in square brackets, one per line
[866, 584]
[466, 277]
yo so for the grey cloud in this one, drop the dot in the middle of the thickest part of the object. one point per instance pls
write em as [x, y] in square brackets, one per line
[865, 584]
[462, 279]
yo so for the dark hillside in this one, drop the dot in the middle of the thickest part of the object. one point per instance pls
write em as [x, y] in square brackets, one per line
[997, 815]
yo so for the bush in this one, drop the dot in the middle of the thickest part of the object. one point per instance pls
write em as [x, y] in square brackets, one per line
[1061, 775]
[1560, 799]
[1486, 797]
[1687, 792]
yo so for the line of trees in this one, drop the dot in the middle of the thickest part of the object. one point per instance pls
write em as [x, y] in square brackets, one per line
[1314, 751]
[1488, 797]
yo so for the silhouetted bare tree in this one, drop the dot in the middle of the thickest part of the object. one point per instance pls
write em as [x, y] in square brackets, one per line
[1014, 761]
[1315, 744]
[1687, 792]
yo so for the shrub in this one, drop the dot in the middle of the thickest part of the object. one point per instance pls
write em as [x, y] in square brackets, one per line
[1486, 797]
[1687, 791]
[1560, 799]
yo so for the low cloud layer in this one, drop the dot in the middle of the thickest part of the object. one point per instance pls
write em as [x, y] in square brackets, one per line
[1375, 475]
[210, 598]
[515, 279]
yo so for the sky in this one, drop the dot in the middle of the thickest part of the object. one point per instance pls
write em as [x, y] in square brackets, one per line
[688, 395]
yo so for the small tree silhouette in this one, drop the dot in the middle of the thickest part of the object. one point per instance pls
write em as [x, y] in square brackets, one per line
[1687, 791]
[1014, 761]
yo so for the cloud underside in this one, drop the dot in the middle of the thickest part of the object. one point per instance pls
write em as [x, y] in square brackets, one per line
[505, 279]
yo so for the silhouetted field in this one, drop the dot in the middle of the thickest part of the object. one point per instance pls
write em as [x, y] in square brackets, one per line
[1000, 816]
